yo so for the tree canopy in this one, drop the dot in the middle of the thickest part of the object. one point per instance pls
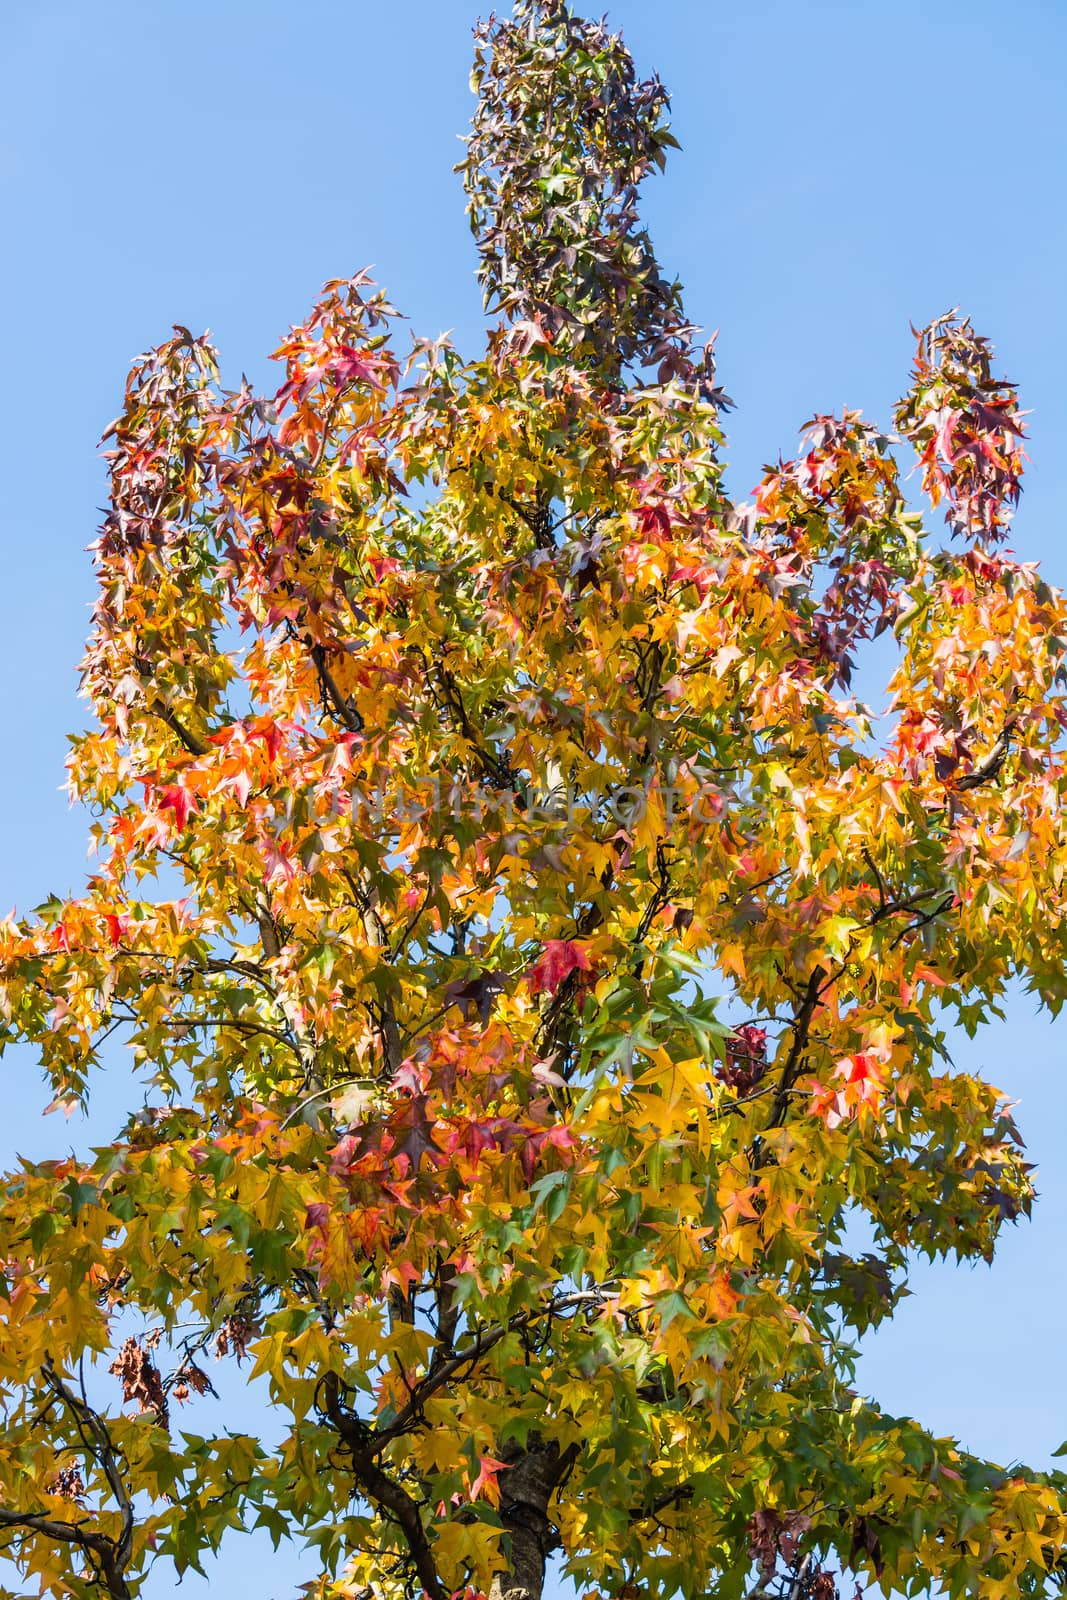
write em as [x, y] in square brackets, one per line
[531, 962]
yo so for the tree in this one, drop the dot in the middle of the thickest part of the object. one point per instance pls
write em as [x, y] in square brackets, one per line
[456, 739]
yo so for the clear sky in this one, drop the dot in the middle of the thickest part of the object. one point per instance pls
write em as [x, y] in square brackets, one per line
[847, 168]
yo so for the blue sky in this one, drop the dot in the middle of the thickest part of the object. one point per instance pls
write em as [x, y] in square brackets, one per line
[847, 168]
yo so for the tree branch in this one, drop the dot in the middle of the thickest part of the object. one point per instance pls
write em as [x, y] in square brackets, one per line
[343, 708]
[472, 1352]
[991, 763]
[495, 768]
[108, 1557]
[537, 521]
[390, 1496]
[795, 1058]
[99, 1550]
[195, 746]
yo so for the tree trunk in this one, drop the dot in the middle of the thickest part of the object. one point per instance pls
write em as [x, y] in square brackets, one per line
[525, 1491]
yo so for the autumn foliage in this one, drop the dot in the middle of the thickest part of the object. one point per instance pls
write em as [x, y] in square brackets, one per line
[528, 957]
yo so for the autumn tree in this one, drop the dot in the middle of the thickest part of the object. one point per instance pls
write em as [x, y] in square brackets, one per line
[455, 741]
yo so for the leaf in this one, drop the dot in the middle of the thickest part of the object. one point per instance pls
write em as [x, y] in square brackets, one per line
[181, 802]
[560, 958]
[476, 994]
[486, 1482]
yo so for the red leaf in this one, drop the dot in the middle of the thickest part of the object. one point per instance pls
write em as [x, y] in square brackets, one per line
[485, 1483]
[561, 958]
[860, 1068]
[272, 737]
[180, 801]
